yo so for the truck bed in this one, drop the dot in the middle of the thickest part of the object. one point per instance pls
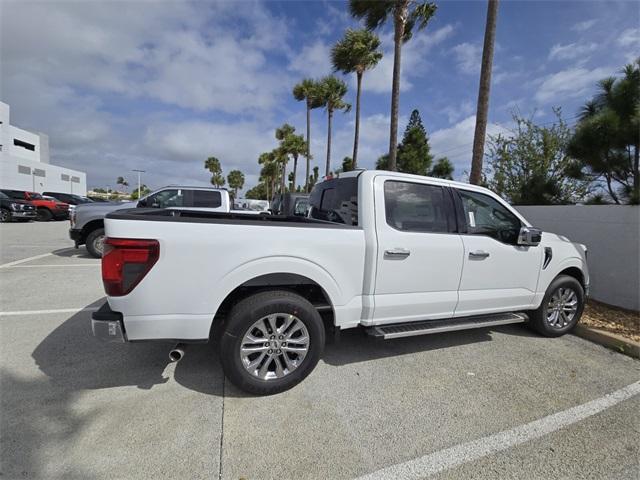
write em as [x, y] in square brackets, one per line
[205, 256]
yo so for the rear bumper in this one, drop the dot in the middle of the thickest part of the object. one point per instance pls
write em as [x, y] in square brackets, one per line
[107, 325]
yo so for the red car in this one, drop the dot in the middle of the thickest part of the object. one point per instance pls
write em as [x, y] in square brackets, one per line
[47, 209]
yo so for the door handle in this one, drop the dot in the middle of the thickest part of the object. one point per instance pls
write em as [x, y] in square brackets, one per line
[478, 255]
[397, 253]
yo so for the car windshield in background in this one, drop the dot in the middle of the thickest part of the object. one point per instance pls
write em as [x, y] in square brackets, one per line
[35, 196]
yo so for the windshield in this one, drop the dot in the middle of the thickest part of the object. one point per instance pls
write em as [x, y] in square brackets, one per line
[35, 196]
[4, 197]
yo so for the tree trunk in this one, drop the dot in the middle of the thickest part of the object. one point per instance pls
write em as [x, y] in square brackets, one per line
[330, 118]
[295, 170]
[400, 19]
[636, 174]
[482, 111]
[283, 182]
[354, 164]
[611, 192]
[306, 182]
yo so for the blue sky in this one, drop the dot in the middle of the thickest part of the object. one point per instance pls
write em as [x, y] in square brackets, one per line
[162, 85]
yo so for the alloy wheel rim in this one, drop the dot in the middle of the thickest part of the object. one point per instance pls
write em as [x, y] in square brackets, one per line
[4, 216]
[274, 346]
[562, 307]
[98, 244]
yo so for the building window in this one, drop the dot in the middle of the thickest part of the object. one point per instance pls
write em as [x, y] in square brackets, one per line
[20, 143]
[23, 169]
[75, 179]
[38, 172]
[64, 177]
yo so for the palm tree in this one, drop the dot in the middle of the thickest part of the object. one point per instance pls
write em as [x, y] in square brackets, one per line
[308, 91]
[295, 146]
[406, 15]
[269, 172]
[356, 52]
[332, 91]
[482, 112]
[236, 181]
[282, 133]
[213, 165]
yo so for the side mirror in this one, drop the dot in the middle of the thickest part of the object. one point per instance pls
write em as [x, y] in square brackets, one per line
[142, 203]
[529, 236]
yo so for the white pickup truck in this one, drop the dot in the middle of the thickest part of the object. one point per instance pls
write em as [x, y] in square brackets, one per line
[392, 253]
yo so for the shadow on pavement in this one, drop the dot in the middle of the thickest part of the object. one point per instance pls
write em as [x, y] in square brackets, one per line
[74, 360]
[71, 252]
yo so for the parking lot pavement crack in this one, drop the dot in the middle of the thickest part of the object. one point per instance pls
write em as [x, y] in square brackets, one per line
[224, 381]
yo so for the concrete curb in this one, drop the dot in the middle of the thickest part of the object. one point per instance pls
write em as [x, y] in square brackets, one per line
[609, 340]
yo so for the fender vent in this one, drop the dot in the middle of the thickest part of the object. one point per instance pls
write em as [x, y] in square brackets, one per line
[548, 255]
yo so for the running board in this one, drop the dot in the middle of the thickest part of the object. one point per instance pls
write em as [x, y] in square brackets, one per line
[426, 327]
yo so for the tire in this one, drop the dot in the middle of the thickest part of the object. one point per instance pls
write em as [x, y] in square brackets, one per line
[254, 316]
[44, 215]
[94, 243]
[562, 292]
[5, 215]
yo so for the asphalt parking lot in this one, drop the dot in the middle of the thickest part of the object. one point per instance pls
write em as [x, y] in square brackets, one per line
[501, 403]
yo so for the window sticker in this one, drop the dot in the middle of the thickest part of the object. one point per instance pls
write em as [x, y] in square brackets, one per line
[472, 219]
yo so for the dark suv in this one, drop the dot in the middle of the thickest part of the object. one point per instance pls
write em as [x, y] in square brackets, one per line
[13, 209]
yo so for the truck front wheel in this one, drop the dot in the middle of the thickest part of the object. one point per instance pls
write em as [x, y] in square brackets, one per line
[560, 309]
[95, 243]
[271, 341]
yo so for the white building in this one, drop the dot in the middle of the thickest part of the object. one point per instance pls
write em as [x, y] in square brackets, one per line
[24, 162]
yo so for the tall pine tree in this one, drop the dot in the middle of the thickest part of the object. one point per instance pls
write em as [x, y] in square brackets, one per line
[414, 154]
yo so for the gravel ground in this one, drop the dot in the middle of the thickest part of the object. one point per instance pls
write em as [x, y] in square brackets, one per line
[612, 319]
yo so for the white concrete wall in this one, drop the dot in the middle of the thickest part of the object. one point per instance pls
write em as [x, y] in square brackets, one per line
[612, 235]
[41, 177]
[25, 169]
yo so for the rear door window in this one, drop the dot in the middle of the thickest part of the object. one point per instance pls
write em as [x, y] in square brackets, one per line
[416, 207]
[206, 199]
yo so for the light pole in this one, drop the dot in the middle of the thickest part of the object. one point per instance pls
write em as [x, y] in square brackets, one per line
[139, 172]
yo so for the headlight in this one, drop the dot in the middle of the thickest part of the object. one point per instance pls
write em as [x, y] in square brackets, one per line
[17, 206]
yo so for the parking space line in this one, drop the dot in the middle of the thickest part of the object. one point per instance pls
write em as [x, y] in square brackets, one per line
[24, 260]
[44, 312]
[482, 447]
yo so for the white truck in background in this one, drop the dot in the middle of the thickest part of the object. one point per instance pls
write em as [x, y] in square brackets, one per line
[87, 219]
[392, 253]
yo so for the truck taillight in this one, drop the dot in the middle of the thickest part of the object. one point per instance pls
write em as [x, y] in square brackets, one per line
[125, 262]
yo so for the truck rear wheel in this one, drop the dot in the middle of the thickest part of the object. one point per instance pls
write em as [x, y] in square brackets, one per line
[561, 307]
[95, 243]
[271, 341]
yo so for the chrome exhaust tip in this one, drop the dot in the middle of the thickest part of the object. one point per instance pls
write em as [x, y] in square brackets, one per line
[177, 353]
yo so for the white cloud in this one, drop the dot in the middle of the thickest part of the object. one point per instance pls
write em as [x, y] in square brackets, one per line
[182, 54]
[630, 38]
[572, 82]
[583, 26]
[456, 112]
[571, 51]
[468, 57]
[414, 61]
[312, 60]
[62, 73]
[456, 143]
